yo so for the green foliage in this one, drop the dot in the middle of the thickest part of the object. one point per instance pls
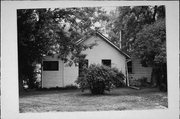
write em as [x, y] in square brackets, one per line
[99, 78]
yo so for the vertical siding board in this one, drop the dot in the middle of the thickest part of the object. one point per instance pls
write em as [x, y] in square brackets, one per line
[139, 71]
[53, 78]
[104, 51]
[70, 74]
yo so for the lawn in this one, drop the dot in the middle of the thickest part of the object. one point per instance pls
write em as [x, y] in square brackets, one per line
[75, 100]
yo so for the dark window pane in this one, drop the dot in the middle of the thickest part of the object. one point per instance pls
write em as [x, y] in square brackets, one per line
[50, 65]
[106, 62]
[83, 64]
[129, 65]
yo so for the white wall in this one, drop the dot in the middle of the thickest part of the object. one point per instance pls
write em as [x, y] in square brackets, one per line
[68, 74]
[138, 71]
[104, 50]
[53, 78]
[65, 76]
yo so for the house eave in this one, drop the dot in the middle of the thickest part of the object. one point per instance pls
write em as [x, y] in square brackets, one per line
[108, 41]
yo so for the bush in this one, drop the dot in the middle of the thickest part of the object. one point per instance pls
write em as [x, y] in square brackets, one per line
[99, 78]
[141, 82]
[71, 87]
[144, 82]
[68, 87]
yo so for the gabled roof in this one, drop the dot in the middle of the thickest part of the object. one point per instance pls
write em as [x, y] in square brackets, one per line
[108, 41]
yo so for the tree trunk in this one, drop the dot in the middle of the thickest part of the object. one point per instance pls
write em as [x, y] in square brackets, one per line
[154, 14]
[163, 77]
[21, 89]
[154, 77]
[159, 77]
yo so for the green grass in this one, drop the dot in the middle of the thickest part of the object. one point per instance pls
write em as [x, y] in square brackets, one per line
[75, 100]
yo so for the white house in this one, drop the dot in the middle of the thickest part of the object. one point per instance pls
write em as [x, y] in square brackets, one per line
[56, 73]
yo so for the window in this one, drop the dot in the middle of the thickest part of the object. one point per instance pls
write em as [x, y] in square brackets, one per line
[129, 65]
[106, 62]
[50, 65]
[83, 64]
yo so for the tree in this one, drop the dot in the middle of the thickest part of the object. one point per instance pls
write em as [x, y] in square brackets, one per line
[52, 31]
[151, 48]
[144, 34]
[130, 20]
[150, 43]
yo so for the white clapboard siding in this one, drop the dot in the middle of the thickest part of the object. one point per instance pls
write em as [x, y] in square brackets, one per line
[70, 74]
[53, 78]
[103, 50]
[138, 71]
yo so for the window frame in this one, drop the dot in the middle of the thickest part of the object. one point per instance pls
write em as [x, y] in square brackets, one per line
[130, 67]
[48, 66]
[105, 60]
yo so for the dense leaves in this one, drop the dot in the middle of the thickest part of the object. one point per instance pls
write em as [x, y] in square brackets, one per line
[144, 36]
[99, 78]
[150, 44]
[44, 32]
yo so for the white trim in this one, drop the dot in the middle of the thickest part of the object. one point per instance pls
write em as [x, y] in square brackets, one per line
[41, 74]
[105, 38]
[62, 74]
[127, 74]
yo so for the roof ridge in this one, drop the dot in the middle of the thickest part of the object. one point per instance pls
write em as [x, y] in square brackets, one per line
[107, 40]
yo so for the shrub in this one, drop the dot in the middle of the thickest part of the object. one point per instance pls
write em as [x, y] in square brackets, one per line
[144, 82]
[98, 78]
[68, 87]
[141, 82]
[71, 87]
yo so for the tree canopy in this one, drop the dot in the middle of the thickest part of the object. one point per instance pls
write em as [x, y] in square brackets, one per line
[143, 35]
[53, 31]
[151, 43]
[143, 32]
[50, 31]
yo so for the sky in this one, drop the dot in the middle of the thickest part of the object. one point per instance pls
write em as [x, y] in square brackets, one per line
[108, 9]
